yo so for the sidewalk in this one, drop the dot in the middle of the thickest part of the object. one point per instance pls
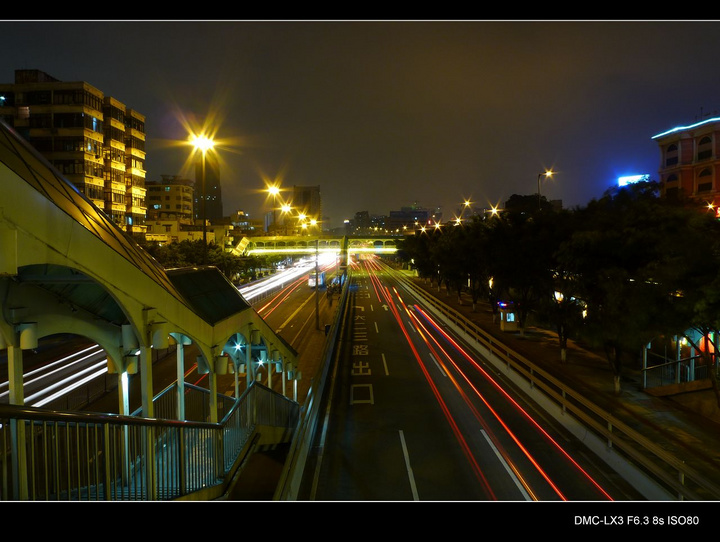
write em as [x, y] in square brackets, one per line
[676, 425]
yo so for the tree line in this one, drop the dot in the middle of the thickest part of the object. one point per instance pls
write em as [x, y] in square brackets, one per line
[627, 268]
[237, 269]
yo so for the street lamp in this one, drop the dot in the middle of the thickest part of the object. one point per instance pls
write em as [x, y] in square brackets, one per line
[203, 144]
[286, 208]
[547, 174]
[274, 190]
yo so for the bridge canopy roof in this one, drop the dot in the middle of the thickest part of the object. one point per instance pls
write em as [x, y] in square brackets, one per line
[209, 293]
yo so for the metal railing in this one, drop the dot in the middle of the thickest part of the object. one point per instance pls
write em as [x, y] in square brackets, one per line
[675, 372]
[49, 455]
[197, 404]
[289, 486]
[671, 473]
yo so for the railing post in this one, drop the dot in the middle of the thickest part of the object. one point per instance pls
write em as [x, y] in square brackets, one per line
[19, 459]
[108, 451]
[150, 470]
[182, 461]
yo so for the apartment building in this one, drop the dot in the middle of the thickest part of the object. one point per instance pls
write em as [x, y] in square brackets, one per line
[170, 197]
[690, 162]
[95, 141]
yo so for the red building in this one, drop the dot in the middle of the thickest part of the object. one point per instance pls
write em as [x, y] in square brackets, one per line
[690, 162]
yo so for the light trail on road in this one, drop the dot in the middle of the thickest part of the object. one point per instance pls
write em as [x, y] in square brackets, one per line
[428, 330]
[509, 398]
[50, 381]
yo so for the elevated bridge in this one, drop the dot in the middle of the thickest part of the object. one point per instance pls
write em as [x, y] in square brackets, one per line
[312, 244]
[65, 267]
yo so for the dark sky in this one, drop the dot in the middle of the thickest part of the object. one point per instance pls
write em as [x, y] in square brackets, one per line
[386, 114]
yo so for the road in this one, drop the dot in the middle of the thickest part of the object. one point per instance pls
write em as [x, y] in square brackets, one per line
[414, 414]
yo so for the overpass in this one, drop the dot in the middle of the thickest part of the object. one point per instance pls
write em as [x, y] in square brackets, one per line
[313, 244]
[65, 267]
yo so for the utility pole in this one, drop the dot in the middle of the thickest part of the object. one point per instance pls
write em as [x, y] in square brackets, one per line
[317, 286]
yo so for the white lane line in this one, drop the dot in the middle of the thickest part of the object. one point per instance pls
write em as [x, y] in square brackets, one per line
[437, 364]
[294, 313]
[385, 365]
[411, 477]
[507, 467]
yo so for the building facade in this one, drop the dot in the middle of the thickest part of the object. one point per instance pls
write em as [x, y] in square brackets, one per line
[307, 201]
[690, 162]
[171, 197]
[409, 218]
[212, 190]
[95, 141]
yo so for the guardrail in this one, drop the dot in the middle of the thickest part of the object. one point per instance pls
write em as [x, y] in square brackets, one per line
[675, 372]
[49, 455]
[656, 472]
[288, 487]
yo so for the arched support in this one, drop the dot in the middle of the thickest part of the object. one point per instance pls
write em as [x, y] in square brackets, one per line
[15, 375]
[146, 381]
[235, 348]
[17, 430]
[129, 367]
[250, 376]
[213, 389]
[206, 365]
[182, 341]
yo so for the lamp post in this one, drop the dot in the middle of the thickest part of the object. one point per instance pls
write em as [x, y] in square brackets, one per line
[547, 174]
[274, 191]
[286, 208]
[203, 144]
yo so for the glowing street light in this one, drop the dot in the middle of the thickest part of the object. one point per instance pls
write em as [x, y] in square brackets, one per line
[285, 209]
[274, 191]
[203, 144]
[549, 173]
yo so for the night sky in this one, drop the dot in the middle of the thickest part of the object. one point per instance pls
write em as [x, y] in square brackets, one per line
[387, 114]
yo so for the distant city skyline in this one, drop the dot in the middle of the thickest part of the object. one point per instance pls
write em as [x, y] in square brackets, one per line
[381, 114]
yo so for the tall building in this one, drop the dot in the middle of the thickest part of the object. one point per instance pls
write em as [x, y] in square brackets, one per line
[690, 162]
[213, 193]
[95, 141]
[307, 200]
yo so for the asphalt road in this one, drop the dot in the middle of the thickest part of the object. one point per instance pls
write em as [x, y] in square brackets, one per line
[415, 415]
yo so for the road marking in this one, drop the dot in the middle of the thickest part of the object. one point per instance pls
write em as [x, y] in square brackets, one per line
[507, 467]
[364, 394]
[437, 364]
[293, 314]
[385, 365]
[376, 328]
[411, 477]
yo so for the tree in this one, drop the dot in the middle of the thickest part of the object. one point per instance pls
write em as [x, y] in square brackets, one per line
[521, 246]
[190, 253]
[560, 304]
[626, 258]
[696, 301]
[415, 251]
[476, 256]
[447, 256]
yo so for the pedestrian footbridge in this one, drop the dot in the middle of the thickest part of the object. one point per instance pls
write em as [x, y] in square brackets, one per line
[65, 267]
[317, 244]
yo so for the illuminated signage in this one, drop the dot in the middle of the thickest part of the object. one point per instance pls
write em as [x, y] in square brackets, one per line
[630, 179]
